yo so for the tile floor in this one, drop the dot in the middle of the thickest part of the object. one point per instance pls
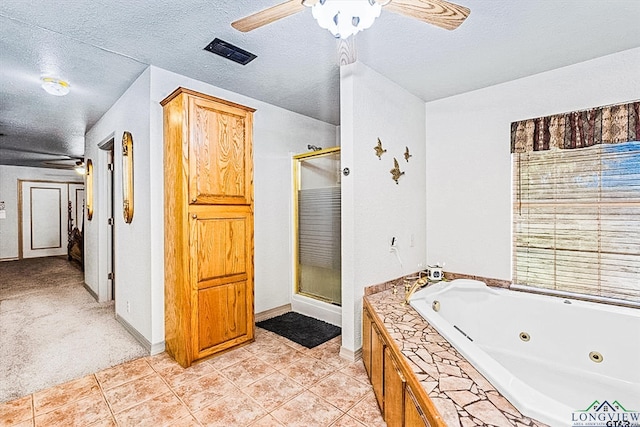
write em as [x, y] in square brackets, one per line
[271, 382]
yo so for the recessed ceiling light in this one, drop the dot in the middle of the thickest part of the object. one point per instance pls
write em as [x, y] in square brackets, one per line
[55, 86]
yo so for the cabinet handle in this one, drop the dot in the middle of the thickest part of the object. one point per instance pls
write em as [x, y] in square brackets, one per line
[195, 199]
[194, 216]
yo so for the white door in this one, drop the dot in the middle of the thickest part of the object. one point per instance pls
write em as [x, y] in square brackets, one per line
[44, 219]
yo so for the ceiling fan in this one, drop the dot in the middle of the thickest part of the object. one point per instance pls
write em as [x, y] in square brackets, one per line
[347, 17]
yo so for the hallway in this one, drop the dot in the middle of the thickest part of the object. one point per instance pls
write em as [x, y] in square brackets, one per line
[52, 330]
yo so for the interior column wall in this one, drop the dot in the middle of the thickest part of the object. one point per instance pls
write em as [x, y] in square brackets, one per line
[374, 208]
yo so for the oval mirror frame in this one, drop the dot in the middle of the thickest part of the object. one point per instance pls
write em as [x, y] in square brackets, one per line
[89, 187]
[127, 177]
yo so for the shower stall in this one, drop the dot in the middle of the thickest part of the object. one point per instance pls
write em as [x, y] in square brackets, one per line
[317, 225]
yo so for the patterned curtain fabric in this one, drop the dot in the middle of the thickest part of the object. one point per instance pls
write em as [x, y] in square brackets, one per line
[602, 125]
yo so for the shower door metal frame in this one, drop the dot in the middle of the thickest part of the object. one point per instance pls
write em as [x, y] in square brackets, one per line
[297, 159]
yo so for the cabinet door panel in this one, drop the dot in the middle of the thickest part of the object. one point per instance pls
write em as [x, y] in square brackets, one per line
[394, 384]
[222, 314]
[222, 250]
[377, 365]
[366, 342]
[218, 154]
[413, 414]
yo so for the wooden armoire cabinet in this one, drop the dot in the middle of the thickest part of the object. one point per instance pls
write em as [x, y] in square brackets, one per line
[208, 244]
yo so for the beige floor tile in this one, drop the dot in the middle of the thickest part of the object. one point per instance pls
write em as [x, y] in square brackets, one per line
[135, 392]
[356, 370]
[161, 361]
[307, 410]
[247, 371]
[162, 410]
[28, 423]
[205, 390]
[105, 422]
[83, 412]
[307, 371]
[176, 375]
[294, 345]
[268, 345]
[367, 411]
[123, 373]
[188, 421]
[330, 354]
[340, 390]
[347, 421]
[235, 409]
[55, 397]
[267, 421]
[273, 390]
[230, 358]
[16, 411]
[280, 356]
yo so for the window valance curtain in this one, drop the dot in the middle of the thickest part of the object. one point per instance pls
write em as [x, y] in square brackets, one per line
[602, 125]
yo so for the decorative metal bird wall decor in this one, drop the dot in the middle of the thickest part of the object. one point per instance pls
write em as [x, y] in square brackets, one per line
[406, 154]
[395, 172]
[379, 150]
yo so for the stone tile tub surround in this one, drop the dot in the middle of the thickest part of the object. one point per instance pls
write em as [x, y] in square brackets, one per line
[461, 394]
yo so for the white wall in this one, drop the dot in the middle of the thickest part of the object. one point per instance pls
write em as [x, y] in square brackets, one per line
[9, 176]
[374, 207]
[469, 162]
[132, 262]
[139, 246]
[277, 135]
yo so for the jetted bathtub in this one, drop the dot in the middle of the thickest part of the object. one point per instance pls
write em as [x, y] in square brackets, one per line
[549, 356]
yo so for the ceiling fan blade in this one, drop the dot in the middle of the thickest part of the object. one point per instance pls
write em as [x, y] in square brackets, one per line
[268, 16]
[440, 13]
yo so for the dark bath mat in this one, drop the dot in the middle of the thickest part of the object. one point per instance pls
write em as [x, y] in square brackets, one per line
[301, 329]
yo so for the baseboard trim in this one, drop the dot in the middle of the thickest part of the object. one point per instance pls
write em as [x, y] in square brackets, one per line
[352, 356]
[157, 348]
[317, 309]
[137, 335]
[10, 259]
[93, 294]
[273, 312]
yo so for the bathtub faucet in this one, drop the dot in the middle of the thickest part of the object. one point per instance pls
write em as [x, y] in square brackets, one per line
[418, 284]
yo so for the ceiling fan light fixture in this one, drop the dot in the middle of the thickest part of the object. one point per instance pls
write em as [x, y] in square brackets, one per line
[55, 86]
[344, 18]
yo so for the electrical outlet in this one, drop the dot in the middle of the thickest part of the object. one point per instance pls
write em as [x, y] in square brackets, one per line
[128, 307]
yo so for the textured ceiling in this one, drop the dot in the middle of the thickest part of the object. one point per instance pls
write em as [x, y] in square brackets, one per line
[101, 46]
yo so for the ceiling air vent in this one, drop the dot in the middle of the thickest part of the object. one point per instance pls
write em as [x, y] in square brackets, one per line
[229, 51]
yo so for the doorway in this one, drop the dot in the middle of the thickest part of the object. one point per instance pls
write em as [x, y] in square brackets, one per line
[107, 150]
[47, 209]
[317, 225]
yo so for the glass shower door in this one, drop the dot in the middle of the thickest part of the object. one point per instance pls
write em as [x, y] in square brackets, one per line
[317, 219]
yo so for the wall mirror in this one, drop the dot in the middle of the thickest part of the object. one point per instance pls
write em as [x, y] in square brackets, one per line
[127, 176]
[89, 189]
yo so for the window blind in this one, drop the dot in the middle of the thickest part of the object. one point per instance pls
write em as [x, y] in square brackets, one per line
[577, 220]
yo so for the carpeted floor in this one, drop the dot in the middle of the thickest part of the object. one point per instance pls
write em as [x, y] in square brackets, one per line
[51, 328]
[301, 329]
